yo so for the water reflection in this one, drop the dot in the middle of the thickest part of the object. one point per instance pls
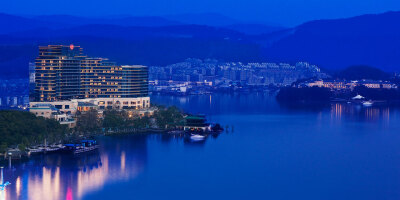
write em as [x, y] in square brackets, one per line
[187, 141]
[56, 176]
[360, 113]
[52, 177]
[262, 129]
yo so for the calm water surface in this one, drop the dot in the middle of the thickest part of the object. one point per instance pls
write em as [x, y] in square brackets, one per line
[340, 152]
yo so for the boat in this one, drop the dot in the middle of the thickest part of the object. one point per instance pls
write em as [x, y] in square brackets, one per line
[358, 97]
[82, 147]
[367, 103]
[197, 137]
[176, 132]
[54, 148]
[35, 150]
[43, 149]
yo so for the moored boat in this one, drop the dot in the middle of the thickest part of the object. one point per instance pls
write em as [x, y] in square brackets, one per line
[54, 148]
[367, 103]
[35, 150]
[197, 137]
[82, 147]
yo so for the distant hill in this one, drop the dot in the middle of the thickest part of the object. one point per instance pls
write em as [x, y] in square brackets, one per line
[362, 72]
[12, 23]
[129, 45]
[146, 21]
[133, 32]
[209, 19]
[254, 29]
[372, 40]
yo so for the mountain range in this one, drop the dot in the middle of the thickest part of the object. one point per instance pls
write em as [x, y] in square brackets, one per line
[372, 40]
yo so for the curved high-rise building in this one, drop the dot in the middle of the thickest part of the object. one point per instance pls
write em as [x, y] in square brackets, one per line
[62, 73]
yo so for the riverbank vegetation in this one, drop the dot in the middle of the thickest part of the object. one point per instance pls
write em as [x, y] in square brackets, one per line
[163, 118]
[22, 129]
[390, 95]
[317, 95]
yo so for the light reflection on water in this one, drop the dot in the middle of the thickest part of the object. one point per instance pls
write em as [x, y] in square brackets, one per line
[124, 159]
[359, 113]
[53, 177]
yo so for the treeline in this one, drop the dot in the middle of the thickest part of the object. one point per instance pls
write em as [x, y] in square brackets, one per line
[22, 129]
[314, 95]
[163, 118]
[377, 94]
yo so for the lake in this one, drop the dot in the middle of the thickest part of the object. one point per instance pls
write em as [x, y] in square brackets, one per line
[269, 152]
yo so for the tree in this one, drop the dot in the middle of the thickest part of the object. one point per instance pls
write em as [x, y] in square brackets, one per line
[88, 121]
[168, 116]
[114, 119]
[3, 147]
[24, 128]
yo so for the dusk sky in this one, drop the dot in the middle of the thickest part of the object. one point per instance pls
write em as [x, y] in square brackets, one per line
[283, 12]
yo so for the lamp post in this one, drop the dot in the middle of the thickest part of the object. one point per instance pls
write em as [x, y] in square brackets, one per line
[9, 159]
[2, 184]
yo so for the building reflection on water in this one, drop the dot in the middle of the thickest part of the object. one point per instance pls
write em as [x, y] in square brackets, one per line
[341, 111]
[54, 176]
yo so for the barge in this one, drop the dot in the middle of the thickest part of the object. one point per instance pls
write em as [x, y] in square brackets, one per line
[82, 147]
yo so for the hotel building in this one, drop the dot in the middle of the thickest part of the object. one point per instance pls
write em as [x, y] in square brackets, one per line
[64, 76]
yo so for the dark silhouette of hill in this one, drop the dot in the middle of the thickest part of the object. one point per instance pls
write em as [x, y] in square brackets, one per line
[372, 40]
[254, 29]
[362, 72]
[161, 51]
[209, 19]
[147, 21]
[12, 23]
[134, 32]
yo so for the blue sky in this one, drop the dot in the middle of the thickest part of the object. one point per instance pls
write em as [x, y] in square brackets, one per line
[284, 12]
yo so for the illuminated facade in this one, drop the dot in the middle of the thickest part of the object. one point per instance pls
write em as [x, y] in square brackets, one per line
[64, 73]
[57, 72]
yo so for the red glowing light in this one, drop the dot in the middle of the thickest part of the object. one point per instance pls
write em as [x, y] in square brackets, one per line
[71, 46]
[69, 191]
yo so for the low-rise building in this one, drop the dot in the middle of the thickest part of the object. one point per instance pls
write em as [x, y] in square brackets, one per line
[196, 123]
[43, 110]
[50, 112]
